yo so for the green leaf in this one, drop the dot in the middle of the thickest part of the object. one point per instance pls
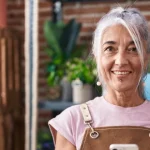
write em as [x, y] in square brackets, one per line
[51, 78]
[79, 51]
[52, 38]
[61, 40]
[69, 37]
[82, 69]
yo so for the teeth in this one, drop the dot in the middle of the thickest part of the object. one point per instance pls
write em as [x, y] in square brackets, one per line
[121, 73]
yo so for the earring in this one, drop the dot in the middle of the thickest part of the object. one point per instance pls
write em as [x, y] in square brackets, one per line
[98, 83]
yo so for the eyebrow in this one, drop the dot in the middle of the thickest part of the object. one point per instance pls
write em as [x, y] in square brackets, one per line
[109, 42]
[113, 42]
[131, 42]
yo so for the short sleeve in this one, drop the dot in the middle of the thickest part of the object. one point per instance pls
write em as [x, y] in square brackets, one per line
[63, 123]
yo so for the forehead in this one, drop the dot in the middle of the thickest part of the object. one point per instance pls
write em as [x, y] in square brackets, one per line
[119, 34]
[116, 33]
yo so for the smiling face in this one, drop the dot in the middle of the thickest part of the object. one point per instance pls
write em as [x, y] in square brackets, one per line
[119, 62]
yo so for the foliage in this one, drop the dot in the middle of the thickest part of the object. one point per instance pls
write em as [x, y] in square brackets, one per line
[44, 140]
[61, 41]
[85, 70]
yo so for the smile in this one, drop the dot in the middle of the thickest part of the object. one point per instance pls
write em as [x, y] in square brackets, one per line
[121, 72]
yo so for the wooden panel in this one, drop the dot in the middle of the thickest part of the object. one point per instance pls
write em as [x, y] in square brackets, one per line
[11, 116]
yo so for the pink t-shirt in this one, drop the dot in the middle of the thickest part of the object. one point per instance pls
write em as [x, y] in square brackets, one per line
[71, 125]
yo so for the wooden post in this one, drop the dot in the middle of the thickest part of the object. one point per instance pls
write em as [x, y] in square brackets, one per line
[11, 116]
[3, 13]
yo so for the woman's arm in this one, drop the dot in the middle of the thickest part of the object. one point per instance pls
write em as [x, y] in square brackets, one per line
[62, 143]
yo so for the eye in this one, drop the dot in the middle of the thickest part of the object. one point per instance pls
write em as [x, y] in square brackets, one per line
[109, 49]
[132, 49]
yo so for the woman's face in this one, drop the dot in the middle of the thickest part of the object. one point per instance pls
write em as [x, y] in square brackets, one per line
[119, 62]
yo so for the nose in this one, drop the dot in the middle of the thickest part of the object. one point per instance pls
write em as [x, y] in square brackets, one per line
[121, 59]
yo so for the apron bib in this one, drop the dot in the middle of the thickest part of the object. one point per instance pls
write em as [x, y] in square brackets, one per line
[102, 137]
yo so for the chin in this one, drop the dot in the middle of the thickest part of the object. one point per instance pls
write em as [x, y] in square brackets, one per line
[124, 88]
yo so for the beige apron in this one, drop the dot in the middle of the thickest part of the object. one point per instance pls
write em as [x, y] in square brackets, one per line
[102, 137]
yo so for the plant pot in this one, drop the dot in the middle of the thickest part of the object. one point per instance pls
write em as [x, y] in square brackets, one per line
[81, 92]
[66, 90]
[54, 93]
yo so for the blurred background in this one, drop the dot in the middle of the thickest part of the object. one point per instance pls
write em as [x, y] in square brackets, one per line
[66, 67]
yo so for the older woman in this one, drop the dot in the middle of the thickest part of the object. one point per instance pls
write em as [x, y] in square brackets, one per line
[121, 47]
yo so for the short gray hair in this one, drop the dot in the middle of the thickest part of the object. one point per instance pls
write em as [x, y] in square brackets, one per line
[137, 26]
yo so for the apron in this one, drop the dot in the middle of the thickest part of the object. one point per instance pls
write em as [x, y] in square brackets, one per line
[102, 137]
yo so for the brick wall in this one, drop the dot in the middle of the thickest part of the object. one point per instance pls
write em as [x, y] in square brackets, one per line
[87, 13]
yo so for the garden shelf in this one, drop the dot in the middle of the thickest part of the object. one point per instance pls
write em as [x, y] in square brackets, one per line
[54, 106]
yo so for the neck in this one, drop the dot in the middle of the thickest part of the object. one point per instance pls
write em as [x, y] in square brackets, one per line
[124, 99]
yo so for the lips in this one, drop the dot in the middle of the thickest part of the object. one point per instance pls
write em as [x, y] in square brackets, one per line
[121, 72]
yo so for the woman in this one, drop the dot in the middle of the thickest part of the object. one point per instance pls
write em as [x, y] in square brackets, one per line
[121, 47]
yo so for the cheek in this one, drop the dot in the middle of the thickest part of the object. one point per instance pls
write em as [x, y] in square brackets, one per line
[137, 65]
[104, 66]
[105, 63]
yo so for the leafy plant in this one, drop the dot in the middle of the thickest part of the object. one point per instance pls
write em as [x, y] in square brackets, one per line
[44, 140]
[78, 68]
[61, 41]
[55, 74]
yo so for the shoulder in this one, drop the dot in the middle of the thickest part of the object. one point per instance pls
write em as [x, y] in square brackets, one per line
[94, 104]
[148, 102]
[74, 110]
[72, 116]
[65, 124]
[70, 123]
[146, 106]
[66, 117]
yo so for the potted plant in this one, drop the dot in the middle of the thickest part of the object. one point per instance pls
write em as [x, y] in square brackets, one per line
[55, 74]
[82, 74]
[61, 41]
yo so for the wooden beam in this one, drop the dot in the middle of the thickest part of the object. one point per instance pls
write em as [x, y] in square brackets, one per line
[3, 13]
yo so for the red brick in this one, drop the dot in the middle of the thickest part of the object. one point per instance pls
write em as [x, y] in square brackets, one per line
[16, 15]
[92, 20]
[41, 65]
[93, 3]
[41, 82]
[45, 4]
[45, 14]
[87, 29]
[15, 22]
[42, 39]
[85, 38]
[147, 17]
[44, 114]
[81, 10]
[142, 7]
[45, 93]
[43, 74]
[41, 47]
[15, 6]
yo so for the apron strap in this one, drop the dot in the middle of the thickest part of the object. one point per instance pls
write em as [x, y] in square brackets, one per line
[86, 113]
[88, 120]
